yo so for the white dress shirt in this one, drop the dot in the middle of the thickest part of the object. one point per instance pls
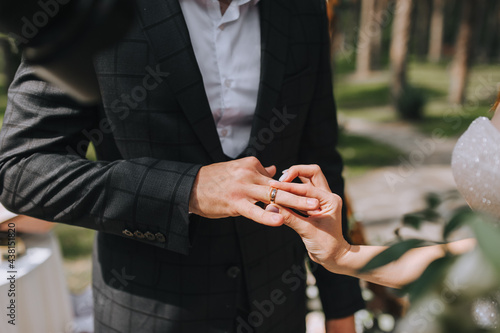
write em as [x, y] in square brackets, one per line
[227, 49]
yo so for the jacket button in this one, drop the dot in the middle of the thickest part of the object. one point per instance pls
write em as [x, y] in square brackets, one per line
[149, 236]
[139, 234]
[160, 237]
[128, 233]
[233, 272]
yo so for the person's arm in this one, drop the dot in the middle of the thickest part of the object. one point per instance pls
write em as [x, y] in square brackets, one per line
[400, 272]
[45, 175]
[322, 235]
[340, 295]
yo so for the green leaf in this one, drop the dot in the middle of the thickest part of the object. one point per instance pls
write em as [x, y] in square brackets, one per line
[391, 254]
[433, 200]
[413, 220]
[458, 220]
[430, 278]
[431, 215]
[488, 238]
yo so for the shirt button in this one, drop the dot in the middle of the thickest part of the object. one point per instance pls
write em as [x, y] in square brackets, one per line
[222, 26]
[233, 272]
[228, 83]
[223, 133]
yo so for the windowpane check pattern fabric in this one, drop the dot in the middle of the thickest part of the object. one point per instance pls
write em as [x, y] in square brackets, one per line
[156, 268]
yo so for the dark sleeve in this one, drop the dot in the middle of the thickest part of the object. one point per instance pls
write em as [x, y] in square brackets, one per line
[340, 295]
[43, 176]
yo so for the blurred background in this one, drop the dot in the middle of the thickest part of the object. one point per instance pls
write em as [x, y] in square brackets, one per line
[409, 77]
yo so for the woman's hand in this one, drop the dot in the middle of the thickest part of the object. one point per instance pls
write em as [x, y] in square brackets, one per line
[321, 231]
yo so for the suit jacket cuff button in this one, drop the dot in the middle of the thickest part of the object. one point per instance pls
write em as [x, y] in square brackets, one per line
[139, 234]
[128, 233]
[160, 237]
[149, 236]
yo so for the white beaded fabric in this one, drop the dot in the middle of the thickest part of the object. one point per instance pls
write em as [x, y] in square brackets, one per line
[476, 166]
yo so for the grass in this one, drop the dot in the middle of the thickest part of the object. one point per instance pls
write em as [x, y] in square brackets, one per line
[453, 121]
[369, 99]
[352, 96]
[361, 154]
[76, 242]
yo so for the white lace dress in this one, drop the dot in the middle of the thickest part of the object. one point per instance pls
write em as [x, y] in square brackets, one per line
[476, 166]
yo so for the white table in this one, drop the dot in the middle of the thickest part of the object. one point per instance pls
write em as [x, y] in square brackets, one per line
[42, 300]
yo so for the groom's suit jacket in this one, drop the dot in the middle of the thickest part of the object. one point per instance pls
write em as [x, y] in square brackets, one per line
[157, 268]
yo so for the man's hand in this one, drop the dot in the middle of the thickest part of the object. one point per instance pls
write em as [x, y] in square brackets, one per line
[232, 189]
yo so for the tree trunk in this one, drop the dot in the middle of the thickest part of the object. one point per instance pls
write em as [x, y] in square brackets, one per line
[401, 29]
[422, 21]
[381, 17]
[498, 36]
[489, 33]
[333, 25]
[480, 29]
[437, 31]
[363, 55]
[463, 51]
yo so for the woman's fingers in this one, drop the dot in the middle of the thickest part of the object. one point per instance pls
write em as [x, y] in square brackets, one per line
[307, 174]
[296, 222]
[327, 200]
[257, 214]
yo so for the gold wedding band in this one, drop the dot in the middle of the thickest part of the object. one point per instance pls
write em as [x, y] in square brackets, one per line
[272, 195]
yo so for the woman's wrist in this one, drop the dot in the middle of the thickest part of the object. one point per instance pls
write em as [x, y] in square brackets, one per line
[339, 261]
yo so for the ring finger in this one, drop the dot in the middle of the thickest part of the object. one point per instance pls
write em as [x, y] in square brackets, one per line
[283, 198]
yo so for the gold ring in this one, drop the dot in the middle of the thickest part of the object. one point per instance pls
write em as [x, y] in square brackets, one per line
[272, 195]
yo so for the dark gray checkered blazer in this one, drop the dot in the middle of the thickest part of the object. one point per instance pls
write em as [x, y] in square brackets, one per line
[157, 269]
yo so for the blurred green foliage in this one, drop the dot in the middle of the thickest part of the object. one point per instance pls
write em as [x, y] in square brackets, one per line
[369, 99]
[361, 154]
[75, 242]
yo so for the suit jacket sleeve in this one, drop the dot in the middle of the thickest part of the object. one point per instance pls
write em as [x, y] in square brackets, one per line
[340, 295]
[43, 176]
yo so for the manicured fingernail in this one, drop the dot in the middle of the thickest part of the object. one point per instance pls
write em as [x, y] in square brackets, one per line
[312, 202]
[272, 209]
[285, 171]
[314, 212]
[276, 218]
[283, 177]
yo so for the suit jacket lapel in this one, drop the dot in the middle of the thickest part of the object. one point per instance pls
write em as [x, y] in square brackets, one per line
[275, 18]
[165, 27]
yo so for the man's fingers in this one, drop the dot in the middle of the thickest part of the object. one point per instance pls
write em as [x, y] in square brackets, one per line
[302, 203]
[259, 215]
[303, 190]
